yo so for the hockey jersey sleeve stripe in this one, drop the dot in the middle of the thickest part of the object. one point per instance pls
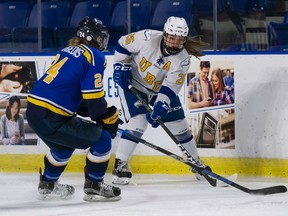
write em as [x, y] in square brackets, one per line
[122, 50]
[88, 54]
[96, 89]
[48, 106]
[93, 95]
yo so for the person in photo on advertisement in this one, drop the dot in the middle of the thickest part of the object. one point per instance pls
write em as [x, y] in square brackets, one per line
[229, 80]
[74, 84]
[12, 123]
[223, 95]
[155, 63]
[200, 93]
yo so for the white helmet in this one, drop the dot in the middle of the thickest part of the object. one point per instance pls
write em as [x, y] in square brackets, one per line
[175, 35]
[176, 26]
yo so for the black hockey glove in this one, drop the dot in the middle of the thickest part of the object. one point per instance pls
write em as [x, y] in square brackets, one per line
[109, 121]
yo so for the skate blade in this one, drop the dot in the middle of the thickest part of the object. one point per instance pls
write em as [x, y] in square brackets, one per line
[232, 178]
[51, 197]
[96, 198]
[120, 181]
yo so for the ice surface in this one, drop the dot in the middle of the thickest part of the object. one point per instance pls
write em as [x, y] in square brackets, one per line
[148, 195]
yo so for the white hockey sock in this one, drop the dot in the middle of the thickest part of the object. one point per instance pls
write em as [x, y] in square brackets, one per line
[191, 149]
[180, 130]
[125, 149]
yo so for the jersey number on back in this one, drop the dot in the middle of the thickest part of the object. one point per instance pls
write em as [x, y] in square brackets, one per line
[53, 71]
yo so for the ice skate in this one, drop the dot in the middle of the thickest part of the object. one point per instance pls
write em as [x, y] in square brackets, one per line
[100, 192]
[200, 177]
[53, 190]
[121, 173]
[200, 163]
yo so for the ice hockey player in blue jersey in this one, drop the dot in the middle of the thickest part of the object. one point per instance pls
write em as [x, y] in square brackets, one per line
[73, 84]
[155, 63]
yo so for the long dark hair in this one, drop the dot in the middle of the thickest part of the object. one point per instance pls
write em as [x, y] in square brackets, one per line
[8, 108]
[194, 44]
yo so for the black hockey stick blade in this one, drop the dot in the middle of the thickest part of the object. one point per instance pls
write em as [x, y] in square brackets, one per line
[261, 191]
[269, 190]
[205, 172]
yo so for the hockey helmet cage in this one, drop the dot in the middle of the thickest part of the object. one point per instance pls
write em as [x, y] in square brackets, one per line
[175, 34]
[94, 32]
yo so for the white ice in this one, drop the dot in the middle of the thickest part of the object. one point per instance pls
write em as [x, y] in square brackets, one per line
[148, 195]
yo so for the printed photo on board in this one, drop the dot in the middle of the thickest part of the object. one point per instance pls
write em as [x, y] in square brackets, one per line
[210, 84]
[215, 129]
[14, 126]
[17, 77]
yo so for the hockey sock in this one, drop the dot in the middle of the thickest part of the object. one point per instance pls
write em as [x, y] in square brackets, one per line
[191, 148]
[126, 146]
[97, 158]
[182, 133]
[55, 163]
[189, 144]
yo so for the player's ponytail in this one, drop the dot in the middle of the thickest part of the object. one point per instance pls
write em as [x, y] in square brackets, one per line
[193, 45]
[74, 41]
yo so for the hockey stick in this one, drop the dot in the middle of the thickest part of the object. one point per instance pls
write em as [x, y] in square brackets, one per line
[262, 191]
[211, 181]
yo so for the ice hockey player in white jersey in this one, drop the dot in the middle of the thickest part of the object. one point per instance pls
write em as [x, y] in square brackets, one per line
[155, 63]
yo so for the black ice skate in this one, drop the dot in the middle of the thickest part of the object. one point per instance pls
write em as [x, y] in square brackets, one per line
[100, 192]
[53, 190]
[121, 172]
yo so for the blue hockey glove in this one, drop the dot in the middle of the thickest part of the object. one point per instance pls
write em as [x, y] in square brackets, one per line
[122, 75]
[160, 110]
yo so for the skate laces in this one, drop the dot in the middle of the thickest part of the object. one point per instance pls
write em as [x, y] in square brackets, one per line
[200, 163]
[62, 189]
[105, 189]
[123, 166]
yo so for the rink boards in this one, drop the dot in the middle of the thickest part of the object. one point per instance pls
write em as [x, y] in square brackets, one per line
[256, 124]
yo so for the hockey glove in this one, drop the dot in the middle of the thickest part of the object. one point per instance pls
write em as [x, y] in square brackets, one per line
[160, 110]
[109, 121]
[122, 75]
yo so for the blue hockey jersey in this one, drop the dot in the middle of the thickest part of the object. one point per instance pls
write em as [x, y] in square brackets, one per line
[75, 75]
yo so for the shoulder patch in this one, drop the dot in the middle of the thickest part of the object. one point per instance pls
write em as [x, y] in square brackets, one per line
[185, 62]
[147, 34]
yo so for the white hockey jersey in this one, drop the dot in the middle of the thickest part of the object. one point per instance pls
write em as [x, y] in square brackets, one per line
[150, 69]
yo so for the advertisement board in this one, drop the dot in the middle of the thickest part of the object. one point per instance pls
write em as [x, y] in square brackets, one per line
[251, 124]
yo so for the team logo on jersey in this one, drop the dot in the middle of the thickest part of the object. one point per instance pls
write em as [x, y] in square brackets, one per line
[185, 63]
[147, 34]
[160, 60]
